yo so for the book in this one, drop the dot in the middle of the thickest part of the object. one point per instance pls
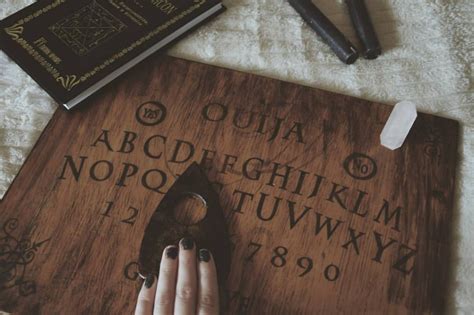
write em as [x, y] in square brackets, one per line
[321, 217]
[72, 48]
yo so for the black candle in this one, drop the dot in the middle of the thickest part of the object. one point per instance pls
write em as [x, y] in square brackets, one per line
[328, 31]
[364, 28]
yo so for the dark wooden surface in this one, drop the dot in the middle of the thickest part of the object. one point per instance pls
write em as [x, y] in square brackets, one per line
[70, 241]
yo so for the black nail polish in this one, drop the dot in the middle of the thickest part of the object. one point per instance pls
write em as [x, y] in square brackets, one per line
[149, 280]
[172, 252]
[187, 243]
[204, 255]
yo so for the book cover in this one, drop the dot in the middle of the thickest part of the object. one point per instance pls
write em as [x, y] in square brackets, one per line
[74, 47]
[322, 218]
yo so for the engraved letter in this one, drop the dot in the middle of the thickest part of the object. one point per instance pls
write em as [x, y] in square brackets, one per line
[261, 203]
[297, 129]
[239, 112]
[104, 138]
[146, 181]
[207, 158]
[229, 160]
[335, 194]
[361, 196]
[177, 149]
[388, 216]
[75, 172]
[246, 171]
[327, 223]
[299, 185]
[293, 219]
[108, 172]
[353, 240]
[146, 147]
[214, 112]
[125, 173]
[317, 185]
[275, 174]
[381, 247]
[401, 264]
[240, 204]
[128, 140]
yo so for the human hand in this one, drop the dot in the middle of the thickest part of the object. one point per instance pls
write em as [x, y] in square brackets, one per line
[185, 286]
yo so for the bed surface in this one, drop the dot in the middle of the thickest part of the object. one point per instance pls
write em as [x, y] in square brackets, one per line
[428, 58]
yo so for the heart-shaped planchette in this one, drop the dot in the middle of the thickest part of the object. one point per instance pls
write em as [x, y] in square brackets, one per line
[164, 229]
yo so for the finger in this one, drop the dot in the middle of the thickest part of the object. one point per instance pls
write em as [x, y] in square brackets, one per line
[186, 286]
[166, 288]
[146, 296]
[208, 292]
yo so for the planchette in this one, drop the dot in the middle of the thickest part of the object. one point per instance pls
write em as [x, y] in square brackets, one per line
[166, 229]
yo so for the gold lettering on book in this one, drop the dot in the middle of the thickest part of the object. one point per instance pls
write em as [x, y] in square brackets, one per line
[45, 9]
[164, 6]
[38, 57]
[68, 82]
[41, 43]
[129, 12]
[142, 40]
[87, 28]
[14, 31]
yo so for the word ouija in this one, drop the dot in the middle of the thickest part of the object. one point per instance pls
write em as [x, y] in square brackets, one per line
[257, 122]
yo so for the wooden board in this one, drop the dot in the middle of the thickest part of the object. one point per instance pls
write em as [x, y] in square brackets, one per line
[323, 219]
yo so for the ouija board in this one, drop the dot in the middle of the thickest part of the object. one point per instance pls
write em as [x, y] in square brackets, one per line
[322, 218]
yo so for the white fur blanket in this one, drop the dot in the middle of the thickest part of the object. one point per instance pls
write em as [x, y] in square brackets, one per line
[428, 58]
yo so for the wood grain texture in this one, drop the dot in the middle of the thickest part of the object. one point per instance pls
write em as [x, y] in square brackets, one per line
[322, 218]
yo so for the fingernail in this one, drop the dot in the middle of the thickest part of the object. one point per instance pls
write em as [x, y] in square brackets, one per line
[204, 255]
[149, 280]
[187, 243]
[172, 252]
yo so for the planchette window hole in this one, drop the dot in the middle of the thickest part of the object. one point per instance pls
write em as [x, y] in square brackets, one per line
[190, 209]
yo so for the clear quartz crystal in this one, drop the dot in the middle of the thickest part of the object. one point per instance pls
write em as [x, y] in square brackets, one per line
[398, 125]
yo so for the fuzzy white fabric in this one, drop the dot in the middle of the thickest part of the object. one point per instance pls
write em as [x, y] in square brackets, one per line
[428, 58]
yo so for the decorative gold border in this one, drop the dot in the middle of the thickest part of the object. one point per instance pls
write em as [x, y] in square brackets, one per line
[69, 81]
[14, 31]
